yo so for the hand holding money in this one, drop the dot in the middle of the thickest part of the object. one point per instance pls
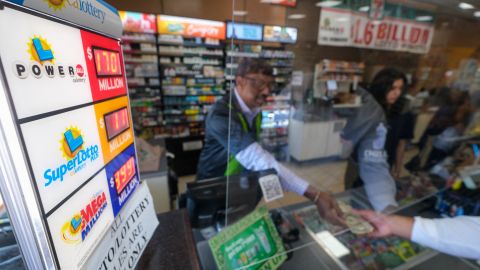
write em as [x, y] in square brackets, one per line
[355, 222]
[386, 225]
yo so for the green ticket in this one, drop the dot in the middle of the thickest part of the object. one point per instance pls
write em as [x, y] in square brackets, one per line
[251, 243]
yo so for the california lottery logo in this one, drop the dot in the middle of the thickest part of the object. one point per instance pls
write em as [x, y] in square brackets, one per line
[56, 4]
[43, 63]
[80, 5]
[77, 228]
[76, 154]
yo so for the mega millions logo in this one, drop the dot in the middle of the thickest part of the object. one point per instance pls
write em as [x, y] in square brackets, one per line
[43, 63]
[77, 228]
[76, 154]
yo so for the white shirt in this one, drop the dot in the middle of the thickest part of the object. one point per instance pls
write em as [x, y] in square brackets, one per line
[458, 236]
[255, 158]
[250, 114]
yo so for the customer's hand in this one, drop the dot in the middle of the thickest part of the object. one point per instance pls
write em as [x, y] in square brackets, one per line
[386, 225]
[379, 221]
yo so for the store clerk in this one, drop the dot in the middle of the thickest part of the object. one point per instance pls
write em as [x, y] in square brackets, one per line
[365, 135]
[237, 125]
[459, 236]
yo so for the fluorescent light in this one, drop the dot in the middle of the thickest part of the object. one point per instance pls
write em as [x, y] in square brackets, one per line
[364, 8]
[464, 5]
[376, 22]
[424, 18]
[476, 14]
[239, 13]
[297, 16]
[328, 3]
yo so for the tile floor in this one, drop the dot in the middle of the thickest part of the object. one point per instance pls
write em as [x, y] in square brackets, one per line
[324, 174]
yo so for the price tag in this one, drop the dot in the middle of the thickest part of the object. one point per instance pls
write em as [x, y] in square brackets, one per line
[271, 187]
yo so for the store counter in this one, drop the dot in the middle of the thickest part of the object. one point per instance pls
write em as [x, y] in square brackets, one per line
[314, 134]
[363, 253]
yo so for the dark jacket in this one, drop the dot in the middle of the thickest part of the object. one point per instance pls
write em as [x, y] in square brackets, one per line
[214, 157]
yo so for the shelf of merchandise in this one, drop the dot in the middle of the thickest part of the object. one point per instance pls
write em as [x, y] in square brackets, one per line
[276, 111]
[141, 69]
[192, 79]
[346, 74]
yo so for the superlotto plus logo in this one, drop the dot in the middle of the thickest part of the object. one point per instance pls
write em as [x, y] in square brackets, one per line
[77, 228]
[43, 63]
[76, 154]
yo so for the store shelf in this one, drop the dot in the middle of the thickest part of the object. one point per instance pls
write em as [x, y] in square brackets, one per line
[138, 41]
[189, 64]
[193, 95]
[140, 61]
[243, 54]
[140, 52]
[341, 71]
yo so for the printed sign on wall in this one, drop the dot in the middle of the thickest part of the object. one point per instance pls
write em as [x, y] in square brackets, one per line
[172, 25]
[45, 71]
[122, 178]
[64, 151]
[138, 22]
[114, 126]
[339, 27]
[79, 224]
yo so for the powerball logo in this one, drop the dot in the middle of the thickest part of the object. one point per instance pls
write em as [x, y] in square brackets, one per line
[43, 63]
[76, 154]
[76, 229]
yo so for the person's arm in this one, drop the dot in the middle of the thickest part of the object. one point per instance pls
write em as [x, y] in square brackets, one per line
[397, 166]
[459, 236]
[375, 174]
[254, 157]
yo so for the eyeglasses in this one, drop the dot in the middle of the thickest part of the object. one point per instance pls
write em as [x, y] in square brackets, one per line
[261, 84]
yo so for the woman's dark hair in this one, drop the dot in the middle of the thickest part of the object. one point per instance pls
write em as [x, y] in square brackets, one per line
[383, 83]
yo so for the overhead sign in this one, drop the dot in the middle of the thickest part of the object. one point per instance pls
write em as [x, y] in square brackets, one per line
[340, 27]
[188, 27]
[244, 31]
[279, 34]
[138, 22]
[97, 15]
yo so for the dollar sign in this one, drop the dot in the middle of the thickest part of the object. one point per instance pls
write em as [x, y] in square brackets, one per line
[101, 122]
[112, 182]
[89, 53]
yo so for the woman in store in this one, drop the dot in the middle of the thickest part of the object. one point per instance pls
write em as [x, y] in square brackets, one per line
[365, 134]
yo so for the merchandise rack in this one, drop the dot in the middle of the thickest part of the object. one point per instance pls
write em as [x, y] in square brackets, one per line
[192, 80]
[141, 69]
